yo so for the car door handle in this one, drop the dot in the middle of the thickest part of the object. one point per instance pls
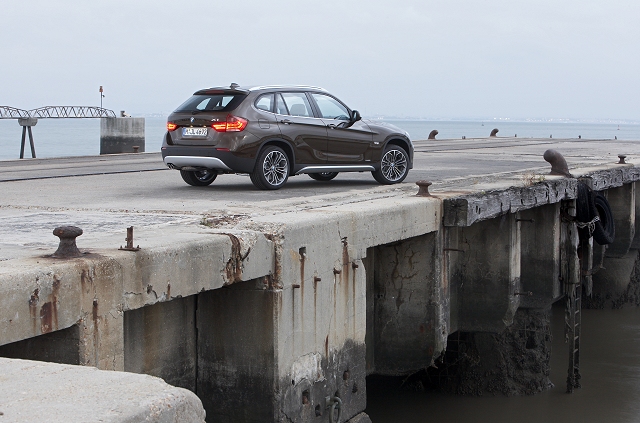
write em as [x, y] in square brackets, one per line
[332, 126]
[285, 121]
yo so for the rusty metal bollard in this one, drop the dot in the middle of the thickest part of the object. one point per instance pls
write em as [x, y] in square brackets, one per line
[67, 247]
[423, 191]
[622, 157]
[129, 240]
[558, 163]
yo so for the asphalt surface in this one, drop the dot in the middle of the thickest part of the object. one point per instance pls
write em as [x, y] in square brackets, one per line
[105, 194]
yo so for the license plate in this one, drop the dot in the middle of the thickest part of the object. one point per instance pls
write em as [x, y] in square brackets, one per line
[194, 132]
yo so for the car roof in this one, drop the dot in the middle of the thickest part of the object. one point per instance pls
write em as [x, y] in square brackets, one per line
[246, 89]
[286, 87]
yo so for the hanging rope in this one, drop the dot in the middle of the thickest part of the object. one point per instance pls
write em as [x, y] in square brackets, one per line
[591, 224]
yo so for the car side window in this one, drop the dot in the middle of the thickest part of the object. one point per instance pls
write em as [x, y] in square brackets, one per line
[297, 104]
[330, 108]
[265, 102]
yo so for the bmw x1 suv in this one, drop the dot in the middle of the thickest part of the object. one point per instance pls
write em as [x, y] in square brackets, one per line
[273, 132]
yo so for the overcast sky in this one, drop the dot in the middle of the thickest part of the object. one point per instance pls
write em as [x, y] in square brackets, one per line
[435, 59]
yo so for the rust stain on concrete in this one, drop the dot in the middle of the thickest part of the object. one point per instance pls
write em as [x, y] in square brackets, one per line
[96, 333]
[85, 279]
[47, 312]
[233, 268]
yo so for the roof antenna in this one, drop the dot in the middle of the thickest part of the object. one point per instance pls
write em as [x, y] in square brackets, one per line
[233, 86]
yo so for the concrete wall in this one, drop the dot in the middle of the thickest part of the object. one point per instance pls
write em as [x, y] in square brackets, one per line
[486, 274]
[540, 256]
[160, 340]
[411, 304]
[236, 353]
[60, 346]
[120, 135]
[321, 312]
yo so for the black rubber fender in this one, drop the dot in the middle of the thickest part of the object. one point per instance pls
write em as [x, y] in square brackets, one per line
[605, 229]
[590, 204]
[585, 211]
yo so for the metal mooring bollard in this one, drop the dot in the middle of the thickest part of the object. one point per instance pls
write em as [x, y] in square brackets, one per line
[558, 163]
[67, 247]
[129, 240]
[423, 191]
[622, 157]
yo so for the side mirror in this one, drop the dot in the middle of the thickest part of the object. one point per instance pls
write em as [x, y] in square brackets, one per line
[355, 116]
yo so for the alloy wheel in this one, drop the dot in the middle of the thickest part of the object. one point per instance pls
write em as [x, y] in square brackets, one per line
[275, 167]
[394, 165]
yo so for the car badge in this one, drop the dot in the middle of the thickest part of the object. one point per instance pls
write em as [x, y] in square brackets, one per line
[192, 120]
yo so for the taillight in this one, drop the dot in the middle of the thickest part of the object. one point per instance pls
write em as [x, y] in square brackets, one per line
[235, 124]
[232, 124]
[171, 126]
[219, 126]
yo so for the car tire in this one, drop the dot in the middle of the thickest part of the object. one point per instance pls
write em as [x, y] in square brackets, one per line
[394, 166]
[271, 170]
[323, 176]
[199, 178]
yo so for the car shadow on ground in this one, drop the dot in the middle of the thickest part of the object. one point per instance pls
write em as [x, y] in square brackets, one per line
[220, 185]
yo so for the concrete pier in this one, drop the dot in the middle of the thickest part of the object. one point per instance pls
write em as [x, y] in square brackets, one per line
[270, 305]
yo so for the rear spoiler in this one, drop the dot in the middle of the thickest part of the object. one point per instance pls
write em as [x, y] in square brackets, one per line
[233, 89]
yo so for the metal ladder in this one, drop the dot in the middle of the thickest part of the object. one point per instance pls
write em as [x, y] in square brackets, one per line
[575, 257]
[573, 322]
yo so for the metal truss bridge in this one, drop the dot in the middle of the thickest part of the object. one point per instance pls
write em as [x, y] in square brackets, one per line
[29, 118]
[56, 112]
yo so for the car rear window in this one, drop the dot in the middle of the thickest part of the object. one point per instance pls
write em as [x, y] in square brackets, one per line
[211, 103]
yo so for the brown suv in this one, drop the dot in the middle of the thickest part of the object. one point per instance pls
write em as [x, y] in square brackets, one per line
[274, 132]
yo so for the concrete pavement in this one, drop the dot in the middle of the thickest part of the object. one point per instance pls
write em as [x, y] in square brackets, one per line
[31, 391]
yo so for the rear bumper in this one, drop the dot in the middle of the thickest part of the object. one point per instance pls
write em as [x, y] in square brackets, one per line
[178, 157]
[178, 162]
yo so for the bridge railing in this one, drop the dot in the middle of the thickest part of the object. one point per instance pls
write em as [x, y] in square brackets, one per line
[7, 112]
[58, 112]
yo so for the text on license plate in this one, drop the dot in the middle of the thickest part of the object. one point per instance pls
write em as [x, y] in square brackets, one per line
[194, 132]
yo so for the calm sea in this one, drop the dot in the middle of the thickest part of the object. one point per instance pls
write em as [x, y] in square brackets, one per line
[610, 368]
[81, 137]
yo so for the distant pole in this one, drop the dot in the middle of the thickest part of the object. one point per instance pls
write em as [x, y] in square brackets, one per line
[101, 96]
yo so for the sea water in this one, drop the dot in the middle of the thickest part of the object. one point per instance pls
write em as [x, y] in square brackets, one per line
[81, 137]
[610, 369]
